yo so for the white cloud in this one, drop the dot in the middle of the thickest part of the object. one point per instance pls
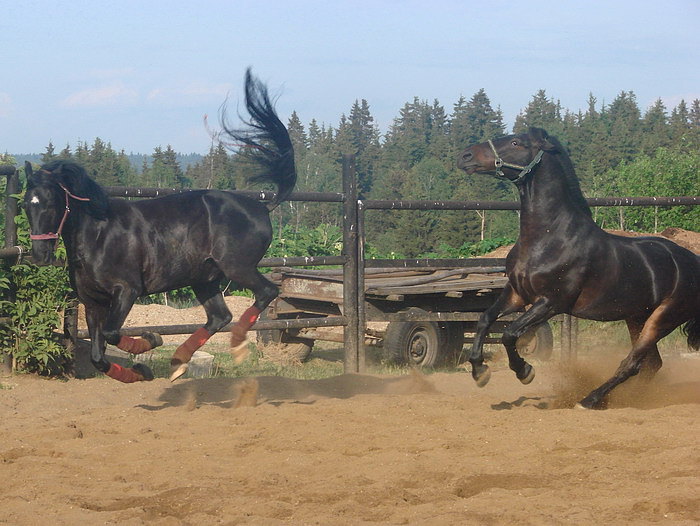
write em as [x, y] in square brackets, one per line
[111, 95]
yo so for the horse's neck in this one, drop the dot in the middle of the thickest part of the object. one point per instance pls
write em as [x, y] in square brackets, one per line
[77, 227]
[547, 203]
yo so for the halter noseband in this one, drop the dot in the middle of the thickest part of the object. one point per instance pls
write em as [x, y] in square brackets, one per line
[524, 170]
[56, 235]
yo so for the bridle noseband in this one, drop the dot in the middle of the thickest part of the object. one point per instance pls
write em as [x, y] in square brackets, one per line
[524, 170]
[57, 234]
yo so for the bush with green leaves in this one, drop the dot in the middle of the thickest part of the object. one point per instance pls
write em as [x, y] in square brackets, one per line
[33, 298]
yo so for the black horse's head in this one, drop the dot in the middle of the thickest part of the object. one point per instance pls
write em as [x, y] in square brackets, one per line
[512, 156]
[52, 193]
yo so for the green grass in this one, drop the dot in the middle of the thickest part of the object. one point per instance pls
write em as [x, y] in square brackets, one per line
[325, 361]
[320, 365]
[595, 338]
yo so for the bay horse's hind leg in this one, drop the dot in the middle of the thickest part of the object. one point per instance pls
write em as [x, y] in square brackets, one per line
[644, 354]
[652, 361]
[218, 316]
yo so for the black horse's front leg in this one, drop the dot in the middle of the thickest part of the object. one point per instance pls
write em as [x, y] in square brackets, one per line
[509, 301]
[539, 313]
[95, 316]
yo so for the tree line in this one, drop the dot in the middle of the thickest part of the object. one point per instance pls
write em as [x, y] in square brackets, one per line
[617, 149]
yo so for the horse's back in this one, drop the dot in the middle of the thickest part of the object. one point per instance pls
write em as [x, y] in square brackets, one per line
[639, 274]
[180, 238]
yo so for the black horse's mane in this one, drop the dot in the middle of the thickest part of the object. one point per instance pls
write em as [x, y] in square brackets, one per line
[75, 179]
[572, 181]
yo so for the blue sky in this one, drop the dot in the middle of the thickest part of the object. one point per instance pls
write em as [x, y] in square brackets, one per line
[142, 74]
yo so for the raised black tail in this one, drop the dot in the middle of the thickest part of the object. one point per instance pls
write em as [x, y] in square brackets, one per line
[268, 140]
[692, 330]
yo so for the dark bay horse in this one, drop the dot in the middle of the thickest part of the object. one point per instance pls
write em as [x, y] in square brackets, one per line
[118, 250]
[564, 263]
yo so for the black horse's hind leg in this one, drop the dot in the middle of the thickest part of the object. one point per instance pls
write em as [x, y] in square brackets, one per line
[264, 292]
[218, 316]
[540, 312]
[509, 301]
[95, 316]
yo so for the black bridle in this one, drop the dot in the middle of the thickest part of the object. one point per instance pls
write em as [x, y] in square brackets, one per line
[524, 170]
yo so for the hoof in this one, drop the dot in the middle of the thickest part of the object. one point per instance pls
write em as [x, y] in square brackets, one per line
[529, 374]
[240, 352]
[153, 338]
[143, 371]
[481, 375]
[176, 371]
[591, 404]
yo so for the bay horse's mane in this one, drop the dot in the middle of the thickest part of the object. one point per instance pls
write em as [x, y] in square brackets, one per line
[73, 177]
[572, 182]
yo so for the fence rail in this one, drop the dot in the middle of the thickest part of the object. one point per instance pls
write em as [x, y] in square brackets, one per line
[353, 259]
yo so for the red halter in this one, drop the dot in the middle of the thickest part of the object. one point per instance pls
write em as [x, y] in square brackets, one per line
[52, 235]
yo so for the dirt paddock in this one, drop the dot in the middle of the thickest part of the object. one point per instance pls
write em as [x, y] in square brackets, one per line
[351, 450]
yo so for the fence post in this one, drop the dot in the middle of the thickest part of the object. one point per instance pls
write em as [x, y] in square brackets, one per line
[361, 313]
[350, 274]
[11, 208]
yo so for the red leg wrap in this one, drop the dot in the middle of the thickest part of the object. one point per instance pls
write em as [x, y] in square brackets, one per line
[184, 352]
[133, 345]
[244, 323]
[122, 374]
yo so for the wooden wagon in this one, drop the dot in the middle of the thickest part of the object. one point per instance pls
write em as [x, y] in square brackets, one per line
[418, 316]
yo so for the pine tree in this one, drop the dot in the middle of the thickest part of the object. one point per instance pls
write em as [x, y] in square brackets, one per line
[475, 121]
[623, 125]
[541, 112]
[363, 140]
[654, 128]
[49, 155]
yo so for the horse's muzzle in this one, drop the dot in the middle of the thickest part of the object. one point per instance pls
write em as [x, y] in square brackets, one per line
[43, 252]
[466, 162]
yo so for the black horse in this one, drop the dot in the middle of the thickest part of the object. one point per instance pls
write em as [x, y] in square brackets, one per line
[118, 250]
[564, 263]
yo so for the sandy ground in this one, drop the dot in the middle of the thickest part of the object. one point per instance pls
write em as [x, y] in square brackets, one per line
[351, 450]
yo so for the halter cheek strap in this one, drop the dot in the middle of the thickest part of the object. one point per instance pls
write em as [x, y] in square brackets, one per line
[55, 235]
[524, 170]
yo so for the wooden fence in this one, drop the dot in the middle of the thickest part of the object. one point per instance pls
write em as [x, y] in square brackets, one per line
[352, 259]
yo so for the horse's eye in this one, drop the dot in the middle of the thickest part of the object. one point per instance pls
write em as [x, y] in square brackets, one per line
[514, 143]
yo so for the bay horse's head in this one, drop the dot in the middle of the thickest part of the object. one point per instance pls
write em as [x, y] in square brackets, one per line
[52, 192]
[512, 157]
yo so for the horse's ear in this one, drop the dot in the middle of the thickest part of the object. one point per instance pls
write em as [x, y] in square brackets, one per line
[28, 170]
[541, 138]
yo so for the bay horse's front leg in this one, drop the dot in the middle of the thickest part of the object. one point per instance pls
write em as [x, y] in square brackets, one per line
[509, 301]
[540, 312]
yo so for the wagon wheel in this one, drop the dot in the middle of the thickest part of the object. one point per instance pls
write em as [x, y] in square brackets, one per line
[293, 347]
[538, 342]
[420, 343]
